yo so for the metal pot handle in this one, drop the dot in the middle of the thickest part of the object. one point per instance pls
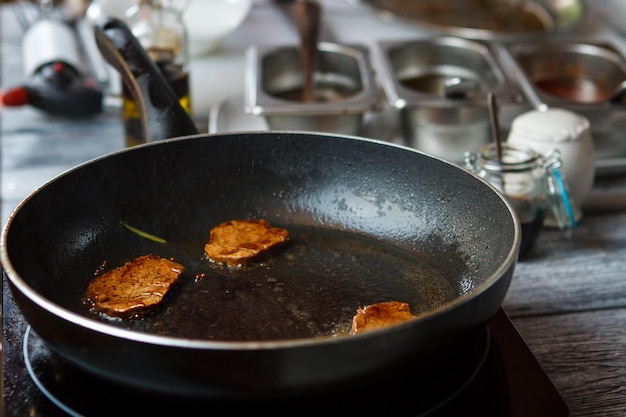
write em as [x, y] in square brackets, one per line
[161, 114]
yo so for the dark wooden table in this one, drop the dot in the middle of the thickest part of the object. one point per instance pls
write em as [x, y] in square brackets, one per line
[567, 298]
[569, 303]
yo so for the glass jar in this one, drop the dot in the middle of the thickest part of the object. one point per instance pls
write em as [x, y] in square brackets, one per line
[159, 28]
[531, 183]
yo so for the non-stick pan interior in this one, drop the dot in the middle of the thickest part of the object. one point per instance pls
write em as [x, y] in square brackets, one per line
[368, 216]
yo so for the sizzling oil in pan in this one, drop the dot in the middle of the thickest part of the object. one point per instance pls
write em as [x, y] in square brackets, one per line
[310, 289]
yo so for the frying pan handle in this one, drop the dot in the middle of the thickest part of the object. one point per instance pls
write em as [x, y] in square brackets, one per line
[161, 114]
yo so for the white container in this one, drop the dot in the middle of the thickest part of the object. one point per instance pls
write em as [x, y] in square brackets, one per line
[567, 132]
[207, 21]
[210, 21]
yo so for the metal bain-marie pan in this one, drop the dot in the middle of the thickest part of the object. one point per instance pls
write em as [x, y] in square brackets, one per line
[439, 86]
[578, 75]
[344, 83]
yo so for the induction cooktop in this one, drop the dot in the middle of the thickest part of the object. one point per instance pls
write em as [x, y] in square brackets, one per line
[497, 375]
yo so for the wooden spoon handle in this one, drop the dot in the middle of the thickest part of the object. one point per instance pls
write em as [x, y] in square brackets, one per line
[307, 15]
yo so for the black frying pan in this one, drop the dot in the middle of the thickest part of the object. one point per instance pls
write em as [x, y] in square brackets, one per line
[369, 222]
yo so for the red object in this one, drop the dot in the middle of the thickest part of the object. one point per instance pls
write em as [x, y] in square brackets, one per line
[15, 97]
[58, 67]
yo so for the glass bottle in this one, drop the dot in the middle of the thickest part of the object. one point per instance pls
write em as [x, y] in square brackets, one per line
[530, 182]
[159, 28]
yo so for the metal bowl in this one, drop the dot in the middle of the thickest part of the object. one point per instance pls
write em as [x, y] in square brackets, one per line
[484, 19]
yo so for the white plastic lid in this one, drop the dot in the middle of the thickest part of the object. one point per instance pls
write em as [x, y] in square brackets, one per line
[556, 125]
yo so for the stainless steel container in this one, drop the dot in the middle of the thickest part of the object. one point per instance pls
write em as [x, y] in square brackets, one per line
[344, 78]
[439, 87]
[580, 76]
[485, 19]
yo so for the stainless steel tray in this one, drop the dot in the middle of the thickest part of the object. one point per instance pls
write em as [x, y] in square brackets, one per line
[229, 116]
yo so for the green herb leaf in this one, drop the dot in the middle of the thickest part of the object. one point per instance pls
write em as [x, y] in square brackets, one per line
[143, 234]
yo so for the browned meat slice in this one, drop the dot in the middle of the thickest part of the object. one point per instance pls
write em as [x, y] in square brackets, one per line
[375, 316]
[240, 242]
[137, 287]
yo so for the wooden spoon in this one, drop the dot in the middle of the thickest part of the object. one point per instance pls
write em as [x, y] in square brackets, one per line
[307, 16]
[495, 125]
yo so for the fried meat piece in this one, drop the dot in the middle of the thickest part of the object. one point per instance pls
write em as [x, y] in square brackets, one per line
[240, 242]
[137, 287]
[376, 316]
